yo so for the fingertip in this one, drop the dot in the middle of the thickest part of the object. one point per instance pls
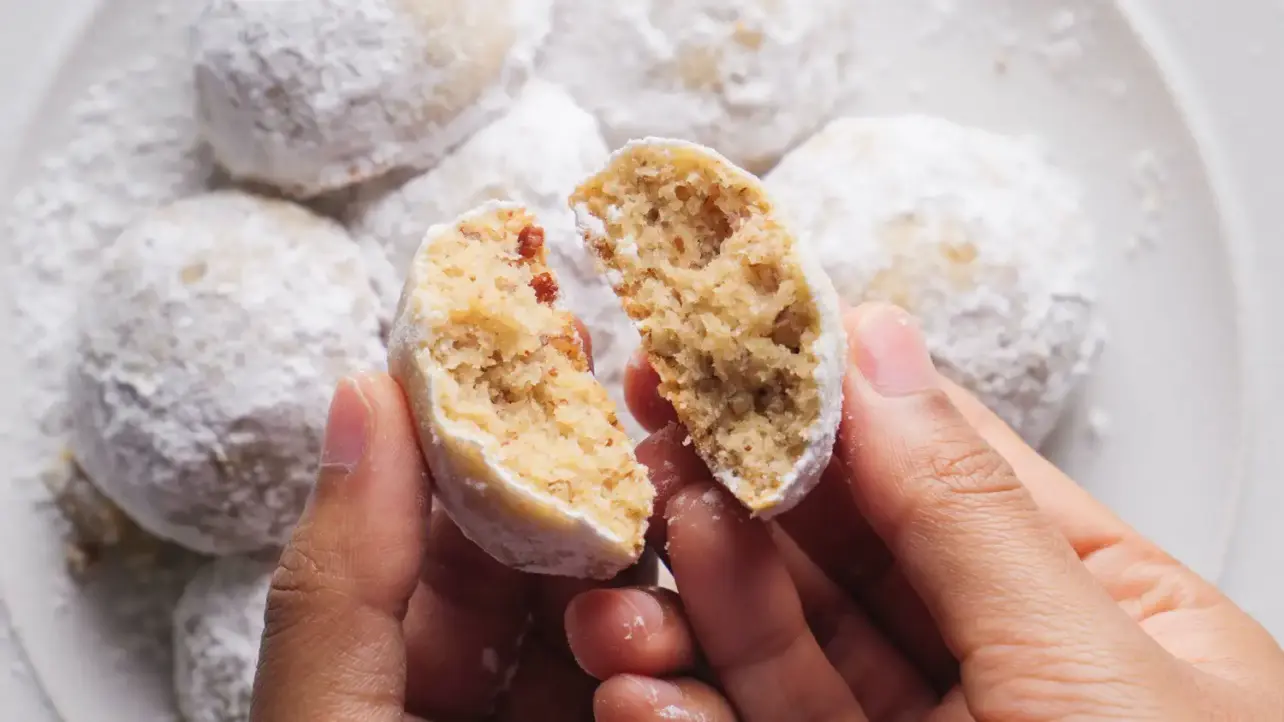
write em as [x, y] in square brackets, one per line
[629, 631]
[633, 698]
[396, 435]
[622, 699]
[704, 507]
[673, 464]
[347, 430]
[642, 394]
[593, 644]
[586, 339]
[705, 526]
[367, 513]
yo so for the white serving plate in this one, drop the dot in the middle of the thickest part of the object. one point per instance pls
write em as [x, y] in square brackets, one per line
[1183, 383]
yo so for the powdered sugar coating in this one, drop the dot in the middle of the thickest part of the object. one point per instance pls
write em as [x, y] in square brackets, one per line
[534, 155]
[829, 347]
[207, 352]
[218, 625]
[750, 78]
[313, 95]
[978, 234]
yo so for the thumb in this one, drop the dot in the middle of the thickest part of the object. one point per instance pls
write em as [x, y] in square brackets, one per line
[333, 647]
[1009, 594]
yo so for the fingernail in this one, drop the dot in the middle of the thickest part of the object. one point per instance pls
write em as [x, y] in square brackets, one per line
[646, 614]
[889, 350]
[347, 428]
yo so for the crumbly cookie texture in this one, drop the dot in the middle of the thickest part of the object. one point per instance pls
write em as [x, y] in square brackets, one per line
[206, 354]
[977, 234]
[741, 325]
[97, 527]
[525, 446]
[534, 155]
[218, 625]
[750, 78]
[313, 95]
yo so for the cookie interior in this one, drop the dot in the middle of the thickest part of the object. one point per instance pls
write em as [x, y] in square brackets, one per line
[517, 374]
[725, 312]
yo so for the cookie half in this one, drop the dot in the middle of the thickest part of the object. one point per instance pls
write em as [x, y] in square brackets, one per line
[525, 446]
[741, 325]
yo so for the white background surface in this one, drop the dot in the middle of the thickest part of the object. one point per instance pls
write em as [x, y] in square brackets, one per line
[1225, 62]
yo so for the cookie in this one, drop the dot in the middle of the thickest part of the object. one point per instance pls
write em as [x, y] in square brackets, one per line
[741, 325]
[218, 627]
[534, 154]
[751, 78]
[309, 96]
[525, 447]
[978, 234]
[206, 354]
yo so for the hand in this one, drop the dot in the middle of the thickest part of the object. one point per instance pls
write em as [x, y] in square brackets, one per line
[380, 611]
[942, 571]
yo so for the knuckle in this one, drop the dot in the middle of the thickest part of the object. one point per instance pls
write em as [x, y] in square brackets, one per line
[958, 463]
[759, 647]
[951, 471]
[1145, 581]
[1052, 681]
[300, 590]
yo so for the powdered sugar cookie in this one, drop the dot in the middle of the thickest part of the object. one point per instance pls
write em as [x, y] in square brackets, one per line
[208, 350]
[748, 77]
[533, 155]
[976, 233]
[523, 443]
[218, 625]
[313, 95]
[741, 326]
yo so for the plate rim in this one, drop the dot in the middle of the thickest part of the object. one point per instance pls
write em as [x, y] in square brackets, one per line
[1235, 217]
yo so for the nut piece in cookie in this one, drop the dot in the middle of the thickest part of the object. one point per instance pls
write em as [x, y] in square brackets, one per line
[524, 445]
[741, 326]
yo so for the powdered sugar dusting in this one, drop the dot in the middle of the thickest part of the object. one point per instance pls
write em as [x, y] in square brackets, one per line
[206, 355]
[975, 233]
[502, 163]
[128, 144]
[218, 625]
[313, 95]
[747, 77]
[1149, 183]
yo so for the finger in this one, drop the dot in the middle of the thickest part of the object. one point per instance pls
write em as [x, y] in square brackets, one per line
[464, 628]
[630, 631]
[333, 645]
[868, 662]
[1085, 522]
[747, 615]
[553, 595]
[640, 699]
[547, 686]
[586, 339]
[829, 528]
[673, 465]
[642, 394]
[885, 682]
[1005, 588]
